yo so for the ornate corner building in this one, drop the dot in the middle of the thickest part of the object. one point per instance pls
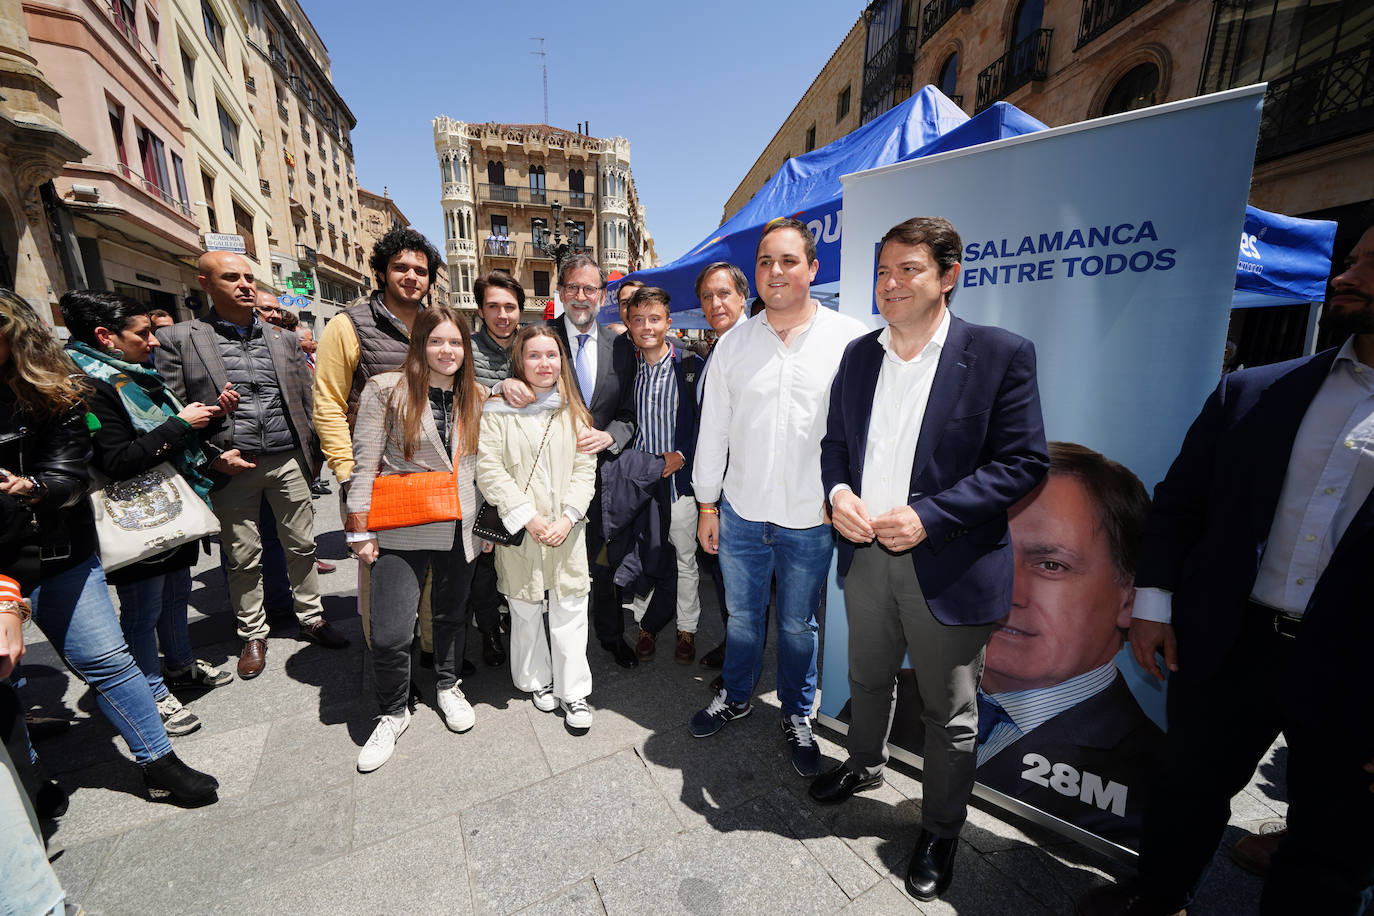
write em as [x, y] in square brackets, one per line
[502, 186]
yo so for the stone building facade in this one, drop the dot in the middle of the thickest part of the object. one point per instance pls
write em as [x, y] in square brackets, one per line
[307, 179]
[1064, 61]
[379, 215]
[34, 146]
[501, 185]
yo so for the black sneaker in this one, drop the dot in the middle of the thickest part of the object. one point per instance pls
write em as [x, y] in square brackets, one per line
[713, 718]
[806, 754]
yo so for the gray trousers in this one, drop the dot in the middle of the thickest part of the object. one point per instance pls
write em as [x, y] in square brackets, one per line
[888, 617]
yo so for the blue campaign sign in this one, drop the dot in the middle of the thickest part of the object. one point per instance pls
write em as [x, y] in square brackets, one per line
[1284, 256]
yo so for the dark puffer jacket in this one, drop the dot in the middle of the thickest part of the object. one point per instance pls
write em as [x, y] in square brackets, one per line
[58, 532]
[260, 422]
[490, 361]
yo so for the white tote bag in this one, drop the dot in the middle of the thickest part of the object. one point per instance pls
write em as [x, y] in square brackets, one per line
[147, 515]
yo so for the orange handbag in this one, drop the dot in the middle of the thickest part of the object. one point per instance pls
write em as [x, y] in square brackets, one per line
[418, 498]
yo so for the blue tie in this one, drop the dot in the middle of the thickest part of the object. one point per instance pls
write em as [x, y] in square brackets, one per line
[990, 715]
[584, 369]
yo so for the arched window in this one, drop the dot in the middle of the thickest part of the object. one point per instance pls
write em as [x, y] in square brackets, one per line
[496, 172]
[537, 184]
[949, 75]
[1137, 89]
[576, 181]
[1024, 50]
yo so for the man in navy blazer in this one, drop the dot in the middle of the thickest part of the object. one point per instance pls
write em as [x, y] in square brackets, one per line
[934, 431]
[1255, 581]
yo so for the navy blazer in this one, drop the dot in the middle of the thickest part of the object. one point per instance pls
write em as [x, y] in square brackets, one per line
[613, 400]
[981, 448]
[1207, 532]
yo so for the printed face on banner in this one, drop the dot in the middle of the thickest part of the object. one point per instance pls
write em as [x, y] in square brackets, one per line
[910, 289]
[1068, 602]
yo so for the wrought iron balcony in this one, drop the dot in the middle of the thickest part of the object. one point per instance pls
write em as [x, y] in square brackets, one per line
[1100, 15]
[305, 133]
[542, 197]
[153, 189]
[279, 61]
[265, 187]
[937, 12]
[888, 72]
[310, 176]
[282, 110]
[1319, 104]
[250, 84]
[501, 248]
[1029, 60]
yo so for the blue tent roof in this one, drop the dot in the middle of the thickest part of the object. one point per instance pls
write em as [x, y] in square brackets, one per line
[808, 186]
[1283, 257]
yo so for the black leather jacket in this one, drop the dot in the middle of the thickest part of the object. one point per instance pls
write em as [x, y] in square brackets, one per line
[57, 532]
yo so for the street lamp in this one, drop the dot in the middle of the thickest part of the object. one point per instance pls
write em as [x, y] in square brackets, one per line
[555, 247]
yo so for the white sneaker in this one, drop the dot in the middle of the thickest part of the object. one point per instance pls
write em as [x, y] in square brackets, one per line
[378, 748]
[456, 710]
[176, 719]
[544, 700]
[577, 714]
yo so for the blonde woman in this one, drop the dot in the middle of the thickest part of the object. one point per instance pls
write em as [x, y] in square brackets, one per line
[423, 417]
[529, 467]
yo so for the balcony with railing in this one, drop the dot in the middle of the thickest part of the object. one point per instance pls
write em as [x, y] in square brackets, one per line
[1322, 103]
[152, 189]
[251, 85]
[333, 230]
[265, 187]
[340, 202]
[129, 32]
[937, 12]
[537, 252]
[539, 197]
[315, 215]
[310, 176]
[1027, 62]
[1100, 15]
[462, 248]
[283, 111]
[278, 60]
[494, 247]
[305, 132]
[888, 72]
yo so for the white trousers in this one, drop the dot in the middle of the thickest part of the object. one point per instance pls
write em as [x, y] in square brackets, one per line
[682, 534]
[532, 664]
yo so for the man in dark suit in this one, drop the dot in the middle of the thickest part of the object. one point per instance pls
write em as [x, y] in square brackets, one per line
[1255, 580]
[934, 431]
[604, 367]
[266, 446]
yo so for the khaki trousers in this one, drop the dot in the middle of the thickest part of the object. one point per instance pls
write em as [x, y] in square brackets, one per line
[284, 482]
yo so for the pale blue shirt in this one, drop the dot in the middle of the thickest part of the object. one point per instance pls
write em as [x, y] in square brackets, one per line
[1029, 709]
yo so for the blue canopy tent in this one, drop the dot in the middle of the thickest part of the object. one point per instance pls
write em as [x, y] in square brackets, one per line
[808, 186]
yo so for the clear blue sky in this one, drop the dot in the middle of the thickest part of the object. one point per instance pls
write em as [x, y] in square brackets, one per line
[698, 88]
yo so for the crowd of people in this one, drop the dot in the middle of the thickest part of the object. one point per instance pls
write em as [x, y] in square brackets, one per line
[555, 480]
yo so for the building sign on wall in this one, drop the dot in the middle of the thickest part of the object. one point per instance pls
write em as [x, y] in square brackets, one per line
[220, 241]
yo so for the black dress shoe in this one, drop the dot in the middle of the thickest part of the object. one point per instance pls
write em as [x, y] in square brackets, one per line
[624, 655]
[840, 783]
[932, 866]
[493, 653]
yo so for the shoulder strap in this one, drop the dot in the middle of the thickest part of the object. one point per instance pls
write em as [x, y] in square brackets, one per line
[547, 426]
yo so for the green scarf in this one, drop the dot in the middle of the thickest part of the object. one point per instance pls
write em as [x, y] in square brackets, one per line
[148, 402]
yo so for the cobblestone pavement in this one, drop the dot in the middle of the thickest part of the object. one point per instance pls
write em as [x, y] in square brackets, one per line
[517, 815]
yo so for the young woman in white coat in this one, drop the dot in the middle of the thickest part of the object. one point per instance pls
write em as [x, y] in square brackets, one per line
[423, 417]
[529, 467]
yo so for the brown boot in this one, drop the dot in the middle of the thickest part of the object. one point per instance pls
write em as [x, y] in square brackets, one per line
[1254, 852]
[686, 651]
[644, 648]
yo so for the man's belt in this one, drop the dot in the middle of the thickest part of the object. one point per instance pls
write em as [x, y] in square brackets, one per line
[1284, 623]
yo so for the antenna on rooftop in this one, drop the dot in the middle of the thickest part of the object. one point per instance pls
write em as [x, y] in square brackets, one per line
[544, 64]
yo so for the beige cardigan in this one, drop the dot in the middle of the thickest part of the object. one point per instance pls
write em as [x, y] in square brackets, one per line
[377, 452]
[565, 477]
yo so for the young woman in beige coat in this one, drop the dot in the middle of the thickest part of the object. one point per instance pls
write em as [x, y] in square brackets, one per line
[421, 418]
[529, 467]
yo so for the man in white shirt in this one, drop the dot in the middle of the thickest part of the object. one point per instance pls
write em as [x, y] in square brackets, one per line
[934, 432]
[758, 483]
[722, 289]
[1255, 583]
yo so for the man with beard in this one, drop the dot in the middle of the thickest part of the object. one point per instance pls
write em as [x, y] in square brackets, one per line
[1254, 583]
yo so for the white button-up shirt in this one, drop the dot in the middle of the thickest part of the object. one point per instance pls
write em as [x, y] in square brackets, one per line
[591, 347]
[1330, 474]
[894, 427]
[764, 414]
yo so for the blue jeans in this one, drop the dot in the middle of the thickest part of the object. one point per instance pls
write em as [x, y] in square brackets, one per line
[153, 610]
[750, 554]
[73, 610]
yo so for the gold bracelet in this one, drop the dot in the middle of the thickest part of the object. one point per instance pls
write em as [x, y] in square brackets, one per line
[708, 510]
[19, 609]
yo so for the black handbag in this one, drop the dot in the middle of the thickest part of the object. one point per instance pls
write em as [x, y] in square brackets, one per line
[488, 525]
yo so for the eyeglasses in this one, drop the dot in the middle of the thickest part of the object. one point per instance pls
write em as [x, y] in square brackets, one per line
[581, 292]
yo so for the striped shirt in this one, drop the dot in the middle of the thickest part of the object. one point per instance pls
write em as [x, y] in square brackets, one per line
[1029, 709]
[656, 406]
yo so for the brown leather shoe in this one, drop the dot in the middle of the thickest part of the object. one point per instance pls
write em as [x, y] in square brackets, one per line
[252, 658]
[686, 651]
[1255, 852]
[644, 648]
[321, 633]
[714, 659]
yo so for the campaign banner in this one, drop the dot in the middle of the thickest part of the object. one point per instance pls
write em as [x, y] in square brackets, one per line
[1111, 245]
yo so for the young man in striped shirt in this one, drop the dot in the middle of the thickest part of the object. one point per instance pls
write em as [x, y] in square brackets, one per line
[666, 410]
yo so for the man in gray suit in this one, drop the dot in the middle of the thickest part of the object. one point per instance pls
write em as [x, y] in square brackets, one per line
[266, 448]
